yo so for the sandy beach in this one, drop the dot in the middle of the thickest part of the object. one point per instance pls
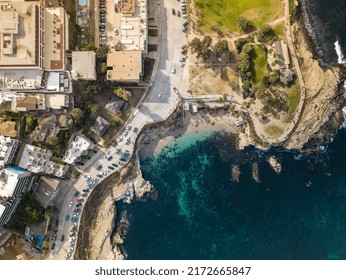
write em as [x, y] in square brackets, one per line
[203, 123]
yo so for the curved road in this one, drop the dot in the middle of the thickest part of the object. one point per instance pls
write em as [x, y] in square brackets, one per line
[158, 105]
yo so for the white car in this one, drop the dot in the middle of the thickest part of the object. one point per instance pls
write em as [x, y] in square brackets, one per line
[160, 94]
[120, 139]
[129, 127]
[174, 70]
[70, 204]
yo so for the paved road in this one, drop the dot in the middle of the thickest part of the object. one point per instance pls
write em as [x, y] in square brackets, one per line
[158, 105]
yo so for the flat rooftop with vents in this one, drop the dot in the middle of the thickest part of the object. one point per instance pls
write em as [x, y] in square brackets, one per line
[124, 66]
[32, 36]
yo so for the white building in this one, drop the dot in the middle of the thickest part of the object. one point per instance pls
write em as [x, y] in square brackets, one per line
[37, 160]
[84, 65]
[8, 149]
[77, 148]
[14, 183]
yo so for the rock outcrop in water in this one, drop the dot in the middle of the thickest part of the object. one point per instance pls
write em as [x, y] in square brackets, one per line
[255, 173]
[275, 164]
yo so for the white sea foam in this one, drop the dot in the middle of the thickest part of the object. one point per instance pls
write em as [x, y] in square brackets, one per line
[344, 113]
[341, 57]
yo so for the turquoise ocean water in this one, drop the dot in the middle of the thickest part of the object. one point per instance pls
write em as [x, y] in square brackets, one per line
[201, 213]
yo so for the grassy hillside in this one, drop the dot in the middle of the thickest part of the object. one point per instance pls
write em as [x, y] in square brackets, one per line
[224, 13]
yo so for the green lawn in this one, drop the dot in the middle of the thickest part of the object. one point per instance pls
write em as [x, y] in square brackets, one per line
[292, 8]
[259, 65]
[293, 99]
[224, 13]
[279, 29]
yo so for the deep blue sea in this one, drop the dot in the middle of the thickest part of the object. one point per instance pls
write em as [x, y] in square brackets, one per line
[200, 213]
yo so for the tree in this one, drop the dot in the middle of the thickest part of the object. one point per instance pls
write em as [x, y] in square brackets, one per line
[274, 77]
[116, 122]
[207, 41]
[106, 141]
[89, 47]
[245, 24]
[241, 42]
[92, 89]
[33, 215]
[221, 47]
[76, 114]
[52, 140]
[266, 34]
[122, 93]
[94, 107]
[195, 45]
[101, 52]
[103, 67]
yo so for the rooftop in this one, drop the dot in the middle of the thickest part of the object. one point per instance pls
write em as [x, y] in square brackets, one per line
[124, 66]
[37, 160]
[79, 61]
[8, 128]
[8, 180]
[77, 148]
[281, 52]
[8, 148]
[129, 26]
[46, 190]
[18, 33]
[35, 80]
[100, 126]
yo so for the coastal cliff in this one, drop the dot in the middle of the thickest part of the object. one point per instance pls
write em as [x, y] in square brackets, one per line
[321, 114]
[99, 237]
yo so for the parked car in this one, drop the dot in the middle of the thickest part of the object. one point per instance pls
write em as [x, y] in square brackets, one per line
[110, 158]
[173, 12]
[70, 204]
[67, 217]
[62, 238]
[74, 220]
[77, 210]
[111, 167]
[84, 194]
[53, 246]
[80, 200]
[99, 167]
[185, 23]
[115, 165]
[135, 130]
[79, 205]
[178, 14]
[76, 193]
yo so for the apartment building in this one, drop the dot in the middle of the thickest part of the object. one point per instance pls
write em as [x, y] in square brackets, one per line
[14, 183]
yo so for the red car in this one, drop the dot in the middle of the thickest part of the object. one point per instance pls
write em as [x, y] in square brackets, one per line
[115, 144]
[80, 200]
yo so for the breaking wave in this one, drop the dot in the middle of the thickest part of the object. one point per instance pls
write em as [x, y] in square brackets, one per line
[338, 50]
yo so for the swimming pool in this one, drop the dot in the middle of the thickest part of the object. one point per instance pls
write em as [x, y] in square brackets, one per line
[82, 2]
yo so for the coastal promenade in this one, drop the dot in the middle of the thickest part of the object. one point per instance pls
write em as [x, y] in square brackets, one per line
[159, 103]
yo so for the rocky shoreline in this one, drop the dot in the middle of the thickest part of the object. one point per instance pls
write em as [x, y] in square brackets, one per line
[321, 117]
